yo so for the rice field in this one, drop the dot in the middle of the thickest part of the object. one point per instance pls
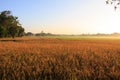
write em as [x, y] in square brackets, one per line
[59, 59]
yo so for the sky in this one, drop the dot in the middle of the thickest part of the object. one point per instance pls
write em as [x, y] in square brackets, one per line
[64, 16]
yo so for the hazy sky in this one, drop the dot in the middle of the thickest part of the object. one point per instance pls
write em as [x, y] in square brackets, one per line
[64, 16]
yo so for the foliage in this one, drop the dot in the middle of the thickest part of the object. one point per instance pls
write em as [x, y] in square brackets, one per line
[10, 26]
[20, 31]
[56, 59]
[2, 31]
[116, 3]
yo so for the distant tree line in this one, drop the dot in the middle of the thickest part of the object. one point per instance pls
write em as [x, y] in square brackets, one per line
[9, 25]
[39, 34]
[50, 34]
[101, 34]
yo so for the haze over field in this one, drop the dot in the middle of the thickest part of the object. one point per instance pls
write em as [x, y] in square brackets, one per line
[65, 16]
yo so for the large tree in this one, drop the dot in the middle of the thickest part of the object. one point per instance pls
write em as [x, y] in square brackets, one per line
[9, 25]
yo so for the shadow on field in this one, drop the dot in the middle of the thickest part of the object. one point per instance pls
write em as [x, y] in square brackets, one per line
[11, 40]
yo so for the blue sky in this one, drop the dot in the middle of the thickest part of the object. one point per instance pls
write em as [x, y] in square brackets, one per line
[64, 16]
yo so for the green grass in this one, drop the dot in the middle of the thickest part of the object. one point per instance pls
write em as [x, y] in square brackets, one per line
[84, 37]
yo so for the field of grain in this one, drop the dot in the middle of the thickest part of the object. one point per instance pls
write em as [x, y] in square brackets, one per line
[58, 59]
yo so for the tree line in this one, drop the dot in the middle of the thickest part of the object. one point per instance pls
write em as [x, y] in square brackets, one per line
[10, 26]
[39, 34]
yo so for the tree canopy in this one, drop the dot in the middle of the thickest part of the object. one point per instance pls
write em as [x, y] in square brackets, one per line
[9, 25]
[115, 3]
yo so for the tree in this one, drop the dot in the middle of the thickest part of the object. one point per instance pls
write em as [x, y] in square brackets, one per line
[10, 25]
[42, 33]
[29, 34]
[115, 3]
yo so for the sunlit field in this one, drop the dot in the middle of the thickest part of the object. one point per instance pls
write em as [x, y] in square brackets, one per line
[60, 59]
